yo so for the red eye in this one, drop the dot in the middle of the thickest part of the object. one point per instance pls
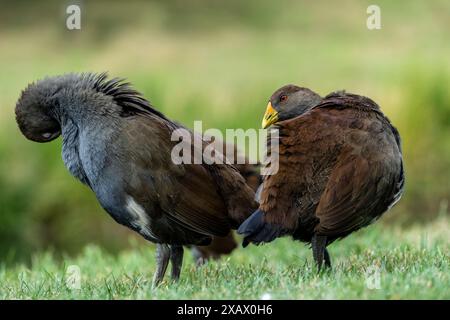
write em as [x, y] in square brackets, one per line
[283, 98]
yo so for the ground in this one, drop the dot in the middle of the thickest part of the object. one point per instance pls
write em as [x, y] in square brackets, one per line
[379, 262]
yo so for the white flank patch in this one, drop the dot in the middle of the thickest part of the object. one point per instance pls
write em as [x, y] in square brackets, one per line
[140, 217]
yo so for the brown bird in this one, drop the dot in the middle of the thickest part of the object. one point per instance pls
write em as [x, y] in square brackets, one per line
[116, 143]
[225, 245]
[340, 169]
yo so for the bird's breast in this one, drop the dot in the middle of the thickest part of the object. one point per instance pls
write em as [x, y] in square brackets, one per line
[71, 153]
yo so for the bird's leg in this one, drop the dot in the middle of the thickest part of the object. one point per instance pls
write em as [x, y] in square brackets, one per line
[319, 244]
[162, 260]
[327, 259]
[198, 257]
[176, 257]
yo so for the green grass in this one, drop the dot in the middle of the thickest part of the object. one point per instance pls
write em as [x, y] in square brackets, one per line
[220, 63]
[412, 263]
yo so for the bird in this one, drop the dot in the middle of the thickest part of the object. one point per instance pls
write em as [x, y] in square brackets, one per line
[340, 168]
[220, 246]
[115, 142]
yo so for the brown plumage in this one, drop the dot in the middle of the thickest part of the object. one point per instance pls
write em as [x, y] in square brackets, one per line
[340, 169]
[225, 245]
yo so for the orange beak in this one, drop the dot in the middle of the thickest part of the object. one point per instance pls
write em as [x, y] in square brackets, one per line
[270, 117]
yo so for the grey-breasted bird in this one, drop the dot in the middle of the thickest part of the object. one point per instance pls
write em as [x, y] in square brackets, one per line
[116, 143]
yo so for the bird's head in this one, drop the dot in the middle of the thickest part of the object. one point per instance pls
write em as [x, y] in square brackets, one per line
[289, 102]
[45, 106]
[35, 111]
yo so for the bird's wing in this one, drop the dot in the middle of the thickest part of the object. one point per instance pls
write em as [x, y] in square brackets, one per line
[250, 171]
[359, 190]
[237, 196]
[208, 199]
[367, 178]
[237, 179]
[184, 193]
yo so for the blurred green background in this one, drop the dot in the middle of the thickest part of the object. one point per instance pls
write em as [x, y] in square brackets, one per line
[217, 61]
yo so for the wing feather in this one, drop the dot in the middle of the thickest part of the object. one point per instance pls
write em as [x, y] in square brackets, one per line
[203, 198]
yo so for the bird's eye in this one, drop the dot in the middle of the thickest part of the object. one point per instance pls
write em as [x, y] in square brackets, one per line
[46, 135]
[283, 98]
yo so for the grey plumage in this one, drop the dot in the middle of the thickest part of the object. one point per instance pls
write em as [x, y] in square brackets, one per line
[115, 142]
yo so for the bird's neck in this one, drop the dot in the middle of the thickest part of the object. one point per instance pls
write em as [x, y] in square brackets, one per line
[71, 150]
[86, 146]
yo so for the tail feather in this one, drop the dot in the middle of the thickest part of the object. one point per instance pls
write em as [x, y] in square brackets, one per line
[256, 230]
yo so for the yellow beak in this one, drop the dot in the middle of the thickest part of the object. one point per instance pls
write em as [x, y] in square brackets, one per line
[270, 117]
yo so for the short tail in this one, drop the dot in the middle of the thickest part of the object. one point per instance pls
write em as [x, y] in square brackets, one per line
[257, 231]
